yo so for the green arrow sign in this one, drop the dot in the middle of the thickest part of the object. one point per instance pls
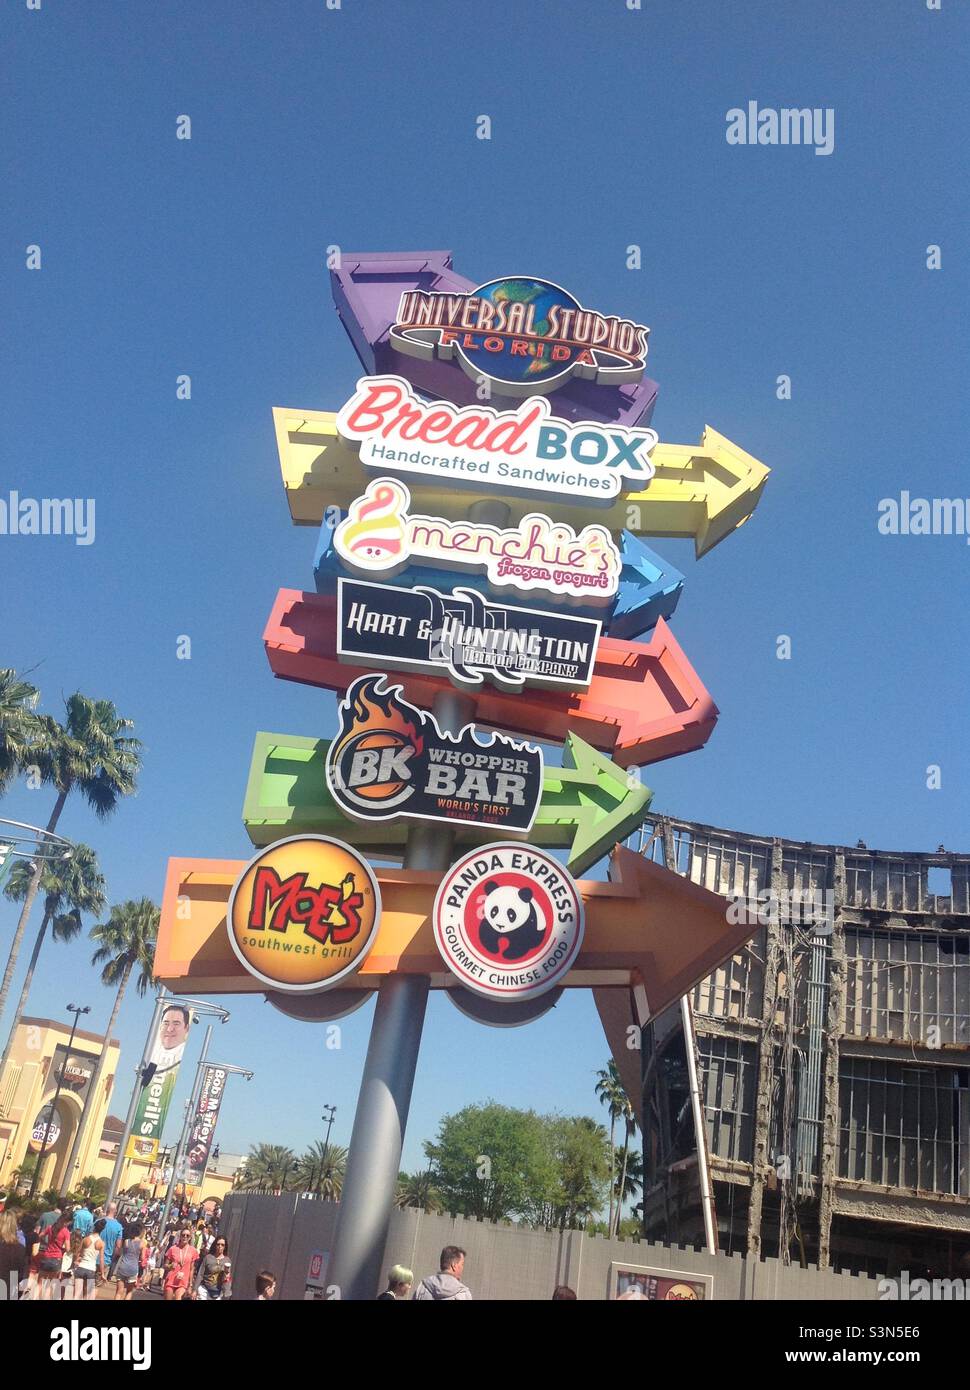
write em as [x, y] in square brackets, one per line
[588, 804]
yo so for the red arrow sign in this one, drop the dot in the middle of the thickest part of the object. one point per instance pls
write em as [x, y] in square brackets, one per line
[645, 701]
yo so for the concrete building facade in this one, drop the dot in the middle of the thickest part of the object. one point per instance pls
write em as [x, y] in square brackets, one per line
[27, 1087]
[833, 1056]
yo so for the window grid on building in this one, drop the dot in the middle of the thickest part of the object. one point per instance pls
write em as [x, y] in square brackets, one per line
[891, 884]
[902, 984]
[905, 1126]
[735, 988]
[728, 1073]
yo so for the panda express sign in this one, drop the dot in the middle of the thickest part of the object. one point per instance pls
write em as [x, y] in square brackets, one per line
[390, 759]
[508, 921]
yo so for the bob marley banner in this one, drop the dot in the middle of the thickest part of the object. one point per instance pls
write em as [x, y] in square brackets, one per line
[204, 1125]
[158, 1082]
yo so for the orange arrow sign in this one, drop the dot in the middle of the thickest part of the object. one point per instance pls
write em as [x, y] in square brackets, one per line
[645, 701]
[647, 927]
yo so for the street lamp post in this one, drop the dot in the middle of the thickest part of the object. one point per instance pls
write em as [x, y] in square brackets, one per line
[330, 1112]
[200, 1008]
[160, 1004]
[77, 1010]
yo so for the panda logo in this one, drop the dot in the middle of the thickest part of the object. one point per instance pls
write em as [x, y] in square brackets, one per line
[510, 914]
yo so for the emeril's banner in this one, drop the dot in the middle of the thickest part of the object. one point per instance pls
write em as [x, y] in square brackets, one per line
[158, 1082]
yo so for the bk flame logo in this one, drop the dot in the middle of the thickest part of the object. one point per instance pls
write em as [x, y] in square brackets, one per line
[370, 761]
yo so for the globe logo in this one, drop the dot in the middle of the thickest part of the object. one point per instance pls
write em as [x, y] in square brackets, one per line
[525, 335]
[532, 363]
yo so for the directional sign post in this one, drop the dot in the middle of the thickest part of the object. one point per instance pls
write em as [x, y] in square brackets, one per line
[482, 588]
[647, 928]
[699, 491]
[645, 701]
[588, 805]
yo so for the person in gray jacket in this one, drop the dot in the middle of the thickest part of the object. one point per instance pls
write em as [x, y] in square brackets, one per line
[446, 1286]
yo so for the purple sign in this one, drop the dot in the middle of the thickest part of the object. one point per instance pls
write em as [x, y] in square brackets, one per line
[367, 290]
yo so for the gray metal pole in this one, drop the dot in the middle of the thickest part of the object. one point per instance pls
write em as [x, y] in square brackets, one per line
[135, 1095]
[49, 1123]
[186, 1124]
[374, 1159]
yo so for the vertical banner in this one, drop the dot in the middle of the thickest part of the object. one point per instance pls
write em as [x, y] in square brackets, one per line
[204, 1125]
[6, 860]
[158, 1082]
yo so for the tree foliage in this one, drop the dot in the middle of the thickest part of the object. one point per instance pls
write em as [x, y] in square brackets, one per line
[321, 1169]
[418, 1190]
[268, 1168]
[491, 1162]
[496, 1163]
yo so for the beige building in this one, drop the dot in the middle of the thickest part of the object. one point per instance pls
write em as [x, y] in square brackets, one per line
[27, 1087]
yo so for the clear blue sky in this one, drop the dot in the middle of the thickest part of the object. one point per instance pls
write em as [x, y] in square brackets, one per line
[357, 127]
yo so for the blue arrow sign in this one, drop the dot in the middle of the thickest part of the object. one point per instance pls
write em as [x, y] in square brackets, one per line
[649, 586]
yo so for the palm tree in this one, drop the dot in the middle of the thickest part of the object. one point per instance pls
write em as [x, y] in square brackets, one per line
[632, 1182]
[607, 1090]
[321, 1170]
[267, 1168]
[612, 1093]
[417, 1190]
[630, 1125]
[70, 887]
[21, 1175]
[126, 945]
[18, 724]
[91, 752]
[94, 1188]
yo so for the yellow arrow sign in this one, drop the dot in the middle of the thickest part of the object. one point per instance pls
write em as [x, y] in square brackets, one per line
[704, 491]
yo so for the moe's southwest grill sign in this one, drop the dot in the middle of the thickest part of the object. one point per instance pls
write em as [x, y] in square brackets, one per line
[304, 912]
[526, 336]
[528, 450]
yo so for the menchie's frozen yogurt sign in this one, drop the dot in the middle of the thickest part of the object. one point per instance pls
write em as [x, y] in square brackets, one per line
[380, 537]
[527, 449]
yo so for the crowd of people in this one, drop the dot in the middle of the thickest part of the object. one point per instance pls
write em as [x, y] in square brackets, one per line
[445, 1286]
[75, 1248]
